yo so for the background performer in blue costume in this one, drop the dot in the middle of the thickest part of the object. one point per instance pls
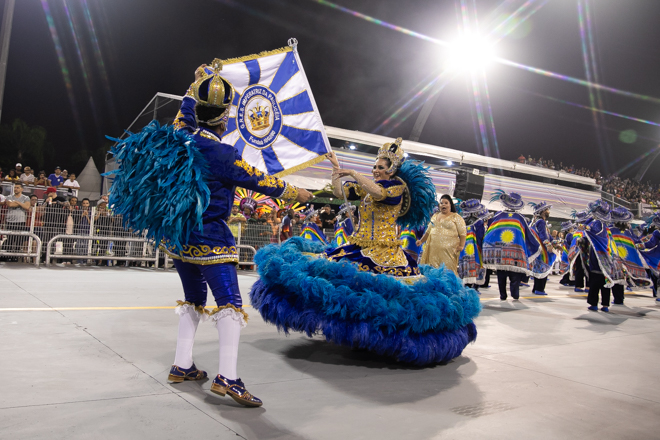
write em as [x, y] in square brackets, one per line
[625, 242]
[605, 268]
[369, 293]
[470, 264]
[542, 266]
[509, 246]
[204, 254]
[650, 247]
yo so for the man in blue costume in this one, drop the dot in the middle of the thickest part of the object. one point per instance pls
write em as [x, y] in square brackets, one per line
[470, 268]
[578, 253]
[650, 247]
[210, 257]
[564, 267]
[604, 269]
[509, 245]
[625, 242]
[310, 230]
[542, 267]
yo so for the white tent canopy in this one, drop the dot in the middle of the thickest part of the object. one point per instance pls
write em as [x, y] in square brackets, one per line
[90, 182]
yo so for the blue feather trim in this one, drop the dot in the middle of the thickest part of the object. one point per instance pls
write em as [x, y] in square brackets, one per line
[422, 194]
[427, 322]
[496, 195]
[159, 186]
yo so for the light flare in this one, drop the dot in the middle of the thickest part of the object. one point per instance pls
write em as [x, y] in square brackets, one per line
[64, 68]
[83, 65]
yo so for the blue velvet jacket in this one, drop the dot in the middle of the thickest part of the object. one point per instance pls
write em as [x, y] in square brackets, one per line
[227, 171]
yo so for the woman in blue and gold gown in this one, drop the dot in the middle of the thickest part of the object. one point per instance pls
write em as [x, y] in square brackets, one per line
[368, 293]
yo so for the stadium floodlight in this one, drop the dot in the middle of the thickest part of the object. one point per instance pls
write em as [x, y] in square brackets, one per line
[450, 163]
[470, 52]
[352, 147]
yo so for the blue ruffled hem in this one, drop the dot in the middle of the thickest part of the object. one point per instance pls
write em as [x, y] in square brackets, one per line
[427, 322]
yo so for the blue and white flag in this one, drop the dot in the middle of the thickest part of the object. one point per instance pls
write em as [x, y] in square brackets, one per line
[274, 122]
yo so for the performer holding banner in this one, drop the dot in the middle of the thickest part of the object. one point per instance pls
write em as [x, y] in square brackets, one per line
[273, 120]
[178, 183]
[510, 246]
[369, 293]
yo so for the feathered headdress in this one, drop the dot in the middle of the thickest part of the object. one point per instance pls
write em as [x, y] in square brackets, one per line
[246, 198]
[539, 207]
[511, 201]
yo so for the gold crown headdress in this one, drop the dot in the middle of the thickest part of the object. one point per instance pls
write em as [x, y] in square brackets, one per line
[212, 90]
[394, 152]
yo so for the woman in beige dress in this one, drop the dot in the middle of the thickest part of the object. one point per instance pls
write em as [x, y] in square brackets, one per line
[445, 235]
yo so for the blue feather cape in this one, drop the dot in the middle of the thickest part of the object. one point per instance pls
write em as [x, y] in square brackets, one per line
[424, 323]
[422, 194]
[159, 186]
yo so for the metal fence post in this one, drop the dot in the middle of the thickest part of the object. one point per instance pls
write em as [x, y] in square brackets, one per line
[240, 229]
[34, 213]
[92, 214]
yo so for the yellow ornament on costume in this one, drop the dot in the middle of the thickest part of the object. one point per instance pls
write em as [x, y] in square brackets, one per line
[507, 236]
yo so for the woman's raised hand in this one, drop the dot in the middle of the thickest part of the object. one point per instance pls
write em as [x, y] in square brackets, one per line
[332, 157]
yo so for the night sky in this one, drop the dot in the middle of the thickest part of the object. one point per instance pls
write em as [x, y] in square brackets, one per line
[119, 53]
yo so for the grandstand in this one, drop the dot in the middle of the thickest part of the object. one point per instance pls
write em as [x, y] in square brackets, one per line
[566, 192]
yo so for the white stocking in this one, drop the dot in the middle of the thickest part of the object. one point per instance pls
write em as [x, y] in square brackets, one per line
[229, 333]
[188, 321]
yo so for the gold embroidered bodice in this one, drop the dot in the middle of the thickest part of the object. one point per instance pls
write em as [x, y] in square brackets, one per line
[376, 231]
[377, 225]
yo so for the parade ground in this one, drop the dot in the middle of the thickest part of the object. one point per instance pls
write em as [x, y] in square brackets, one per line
[85, 354]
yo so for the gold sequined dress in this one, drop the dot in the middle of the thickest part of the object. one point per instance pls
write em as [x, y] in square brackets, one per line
[375, 245]
[444, 236]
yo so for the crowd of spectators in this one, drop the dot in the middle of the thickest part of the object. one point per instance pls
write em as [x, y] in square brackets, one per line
[550, 164]
[627, 189]
[271, 224]
[58, 178]
[631, 190]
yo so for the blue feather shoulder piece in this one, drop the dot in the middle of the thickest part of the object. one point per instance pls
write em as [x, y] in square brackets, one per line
[159, 186]
[422, 194]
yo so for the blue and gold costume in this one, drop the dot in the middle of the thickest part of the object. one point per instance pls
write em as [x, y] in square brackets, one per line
[215, 245]
[178, 183]
[369, 293]
[375, 246]
[227, 171]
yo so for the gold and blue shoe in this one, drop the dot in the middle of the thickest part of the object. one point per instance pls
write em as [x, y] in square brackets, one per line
[178, 374]
[236, 390]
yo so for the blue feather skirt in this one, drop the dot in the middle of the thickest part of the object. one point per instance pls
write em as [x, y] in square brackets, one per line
[428, 322]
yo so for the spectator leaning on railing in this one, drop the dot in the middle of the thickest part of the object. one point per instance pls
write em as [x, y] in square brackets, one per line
[27, 177]
[42, 180]
[71, 183]
[12, 177]
[56, 179]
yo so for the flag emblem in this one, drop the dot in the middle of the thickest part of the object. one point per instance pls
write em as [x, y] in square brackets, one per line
[273, 121]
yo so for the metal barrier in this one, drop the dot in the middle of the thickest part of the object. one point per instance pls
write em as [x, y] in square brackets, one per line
[106, 255]
[32, 236]
[70, 232]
